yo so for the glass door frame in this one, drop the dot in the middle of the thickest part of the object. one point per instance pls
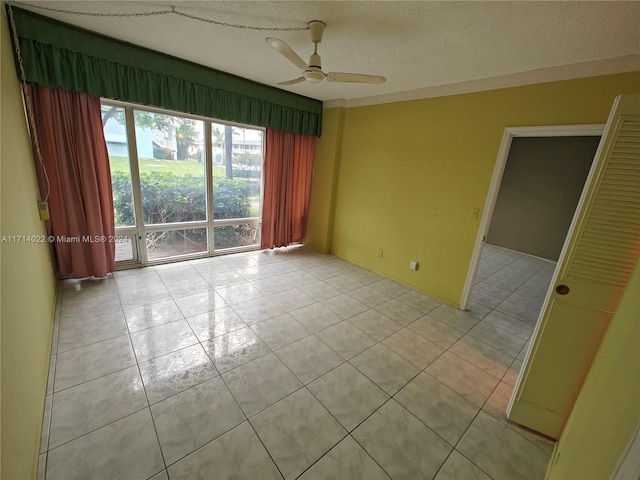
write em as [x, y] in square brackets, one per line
[138, 232]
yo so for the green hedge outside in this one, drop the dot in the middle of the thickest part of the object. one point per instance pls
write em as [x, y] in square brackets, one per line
[170, 198]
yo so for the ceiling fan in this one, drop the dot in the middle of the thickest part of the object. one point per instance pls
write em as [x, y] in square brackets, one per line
[312, 72]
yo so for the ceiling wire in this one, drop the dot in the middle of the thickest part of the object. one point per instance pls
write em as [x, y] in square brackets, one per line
[172, 11]
[31, 121]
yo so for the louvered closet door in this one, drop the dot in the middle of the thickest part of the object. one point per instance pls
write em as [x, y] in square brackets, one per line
[598, 258]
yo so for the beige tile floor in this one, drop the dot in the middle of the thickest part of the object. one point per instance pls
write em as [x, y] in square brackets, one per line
[289, 364]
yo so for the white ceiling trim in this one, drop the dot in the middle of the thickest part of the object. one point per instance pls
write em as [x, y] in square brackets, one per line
[624, 64]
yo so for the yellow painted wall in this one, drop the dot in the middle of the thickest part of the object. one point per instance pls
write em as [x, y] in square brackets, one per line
[411, 173]
[325, 169]
[607, 411]
[27, 285]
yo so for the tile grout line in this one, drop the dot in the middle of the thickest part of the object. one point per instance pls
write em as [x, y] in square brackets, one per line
[144, 388]
[148, 407]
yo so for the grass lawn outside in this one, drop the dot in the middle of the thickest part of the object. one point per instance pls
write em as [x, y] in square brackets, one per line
[177, 167]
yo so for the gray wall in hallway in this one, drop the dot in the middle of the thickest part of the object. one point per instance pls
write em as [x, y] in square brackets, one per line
[540, 189]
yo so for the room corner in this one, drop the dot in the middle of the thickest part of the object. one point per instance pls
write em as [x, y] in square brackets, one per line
[28, 285]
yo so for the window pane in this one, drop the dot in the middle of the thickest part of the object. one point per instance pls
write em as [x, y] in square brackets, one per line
[237, 171]
[231, 236]
[171, 243]
[125, 249]
[171, 159]
[115, 135]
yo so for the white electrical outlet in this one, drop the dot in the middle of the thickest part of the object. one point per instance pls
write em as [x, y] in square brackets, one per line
[413, 265]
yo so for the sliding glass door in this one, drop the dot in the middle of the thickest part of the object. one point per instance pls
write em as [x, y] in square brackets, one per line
[237, 185]
[171, 166]
[183, 186]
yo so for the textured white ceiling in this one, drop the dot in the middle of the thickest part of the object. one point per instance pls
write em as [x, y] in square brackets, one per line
[416, 45]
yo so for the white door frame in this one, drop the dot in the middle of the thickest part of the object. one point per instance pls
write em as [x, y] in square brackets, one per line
[586, 130]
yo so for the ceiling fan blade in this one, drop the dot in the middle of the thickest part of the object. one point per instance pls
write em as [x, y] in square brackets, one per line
[354, 78]
[291, 82]
[287, 52]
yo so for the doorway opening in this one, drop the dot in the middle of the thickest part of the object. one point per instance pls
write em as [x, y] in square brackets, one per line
[525, 171]
[538, 196]
[538, 180]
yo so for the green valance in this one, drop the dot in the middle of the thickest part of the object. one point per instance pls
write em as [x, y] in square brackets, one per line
[58, 55]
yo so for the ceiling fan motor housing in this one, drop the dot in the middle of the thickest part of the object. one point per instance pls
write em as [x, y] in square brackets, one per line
[313, 75]
[314, 61]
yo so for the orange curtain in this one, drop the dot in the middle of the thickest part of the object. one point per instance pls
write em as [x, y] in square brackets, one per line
[76, 161]
[288, 166]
